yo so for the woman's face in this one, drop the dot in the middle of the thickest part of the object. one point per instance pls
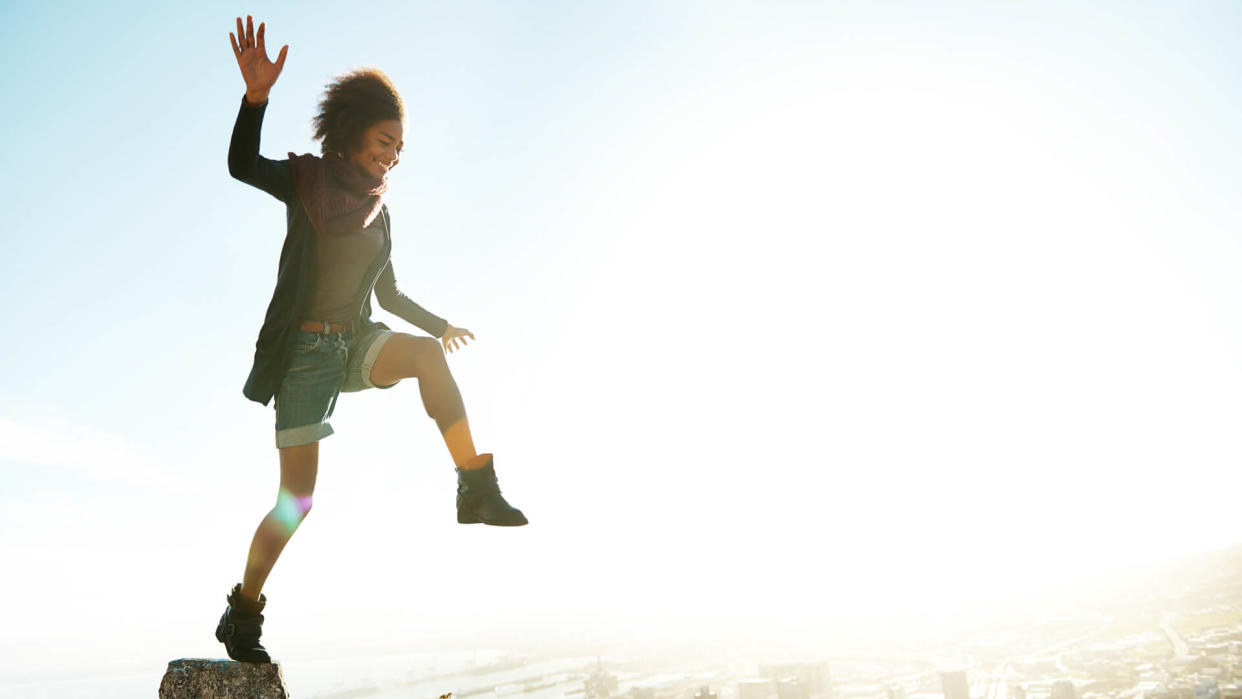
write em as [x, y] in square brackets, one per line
[381, 148]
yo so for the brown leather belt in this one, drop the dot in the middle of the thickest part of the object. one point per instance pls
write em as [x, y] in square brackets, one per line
[320, 326]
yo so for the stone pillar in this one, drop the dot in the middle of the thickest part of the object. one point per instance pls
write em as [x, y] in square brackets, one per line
[192, 678]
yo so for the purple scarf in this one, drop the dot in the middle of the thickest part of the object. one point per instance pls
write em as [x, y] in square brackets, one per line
[338, 198]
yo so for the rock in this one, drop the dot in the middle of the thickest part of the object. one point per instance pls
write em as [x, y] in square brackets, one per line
[206, 678]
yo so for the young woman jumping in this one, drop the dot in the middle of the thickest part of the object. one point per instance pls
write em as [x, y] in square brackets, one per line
[318, 338]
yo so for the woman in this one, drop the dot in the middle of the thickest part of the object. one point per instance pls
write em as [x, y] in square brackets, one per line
[318, 338]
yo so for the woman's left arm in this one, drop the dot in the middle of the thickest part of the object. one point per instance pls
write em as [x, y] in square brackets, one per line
[392, 300]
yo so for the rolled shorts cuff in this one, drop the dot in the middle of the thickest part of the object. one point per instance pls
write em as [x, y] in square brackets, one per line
[297, 436]
[368, 360]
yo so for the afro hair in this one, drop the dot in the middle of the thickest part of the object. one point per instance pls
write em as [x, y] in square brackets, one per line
[352, 103]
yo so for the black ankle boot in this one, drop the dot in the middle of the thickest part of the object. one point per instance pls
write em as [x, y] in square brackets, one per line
[240, 627]
[479, 499]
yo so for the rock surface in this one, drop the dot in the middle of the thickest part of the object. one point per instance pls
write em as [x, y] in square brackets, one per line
[206, 678]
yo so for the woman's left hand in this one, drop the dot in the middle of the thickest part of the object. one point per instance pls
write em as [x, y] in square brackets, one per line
[452, 335]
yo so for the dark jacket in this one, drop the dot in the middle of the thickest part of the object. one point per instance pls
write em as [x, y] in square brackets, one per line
[297, 268]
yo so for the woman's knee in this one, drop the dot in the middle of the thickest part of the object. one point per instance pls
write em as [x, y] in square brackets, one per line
[299, 467]
[290, 510]
[429, 350]
[424, 358]
[292, 506]
[407, 356]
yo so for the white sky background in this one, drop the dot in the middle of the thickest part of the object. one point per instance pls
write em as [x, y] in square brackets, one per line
[801, 316]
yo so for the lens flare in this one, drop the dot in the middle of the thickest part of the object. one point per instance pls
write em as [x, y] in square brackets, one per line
[291, 509]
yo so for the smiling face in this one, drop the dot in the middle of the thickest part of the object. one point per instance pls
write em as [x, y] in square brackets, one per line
[381, 148]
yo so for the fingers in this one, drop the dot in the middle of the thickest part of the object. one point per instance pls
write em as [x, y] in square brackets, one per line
[450, 340]
[247, 38]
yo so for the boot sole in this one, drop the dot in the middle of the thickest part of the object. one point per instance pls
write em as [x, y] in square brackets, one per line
[463, 518]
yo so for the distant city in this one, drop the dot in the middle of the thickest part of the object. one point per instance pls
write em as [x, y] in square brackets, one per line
[1168, 631]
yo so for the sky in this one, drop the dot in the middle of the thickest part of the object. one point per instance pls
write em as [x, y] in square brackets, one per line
[793, 317]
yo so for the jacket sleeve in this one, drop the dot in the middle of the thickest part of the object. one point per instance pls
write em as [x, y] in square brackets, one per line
[245, 163]
[392, 300]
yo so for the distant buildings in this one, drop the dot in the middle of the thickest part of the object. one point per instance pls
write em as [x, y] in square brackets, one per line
[755, 689]
[1064, 689]
[812, 679]
[954, 685]
[1207, 689]
[599, 684]
[792, 688]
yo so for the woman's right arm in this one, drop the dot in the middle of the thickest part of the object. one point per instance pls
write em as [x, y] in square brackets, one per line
[245, 163]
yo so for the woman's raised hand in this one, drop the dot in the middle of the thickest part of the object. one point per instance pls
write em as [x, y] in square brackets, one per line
[258, 72]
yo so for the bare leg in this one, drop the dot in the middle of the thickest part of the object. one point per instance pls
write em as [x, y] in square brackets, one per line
[459, 442]
[407, 356]
[404, 356]
[298, 467]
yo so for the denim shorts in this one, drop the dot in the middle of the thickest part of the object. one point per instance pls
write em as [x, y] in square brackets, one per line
[321, 367]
